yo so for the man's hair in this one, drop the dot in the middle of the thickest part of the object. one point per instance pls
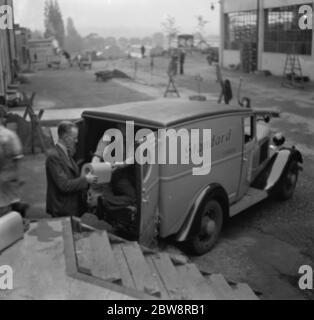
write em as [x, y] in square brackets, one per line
[65, 128]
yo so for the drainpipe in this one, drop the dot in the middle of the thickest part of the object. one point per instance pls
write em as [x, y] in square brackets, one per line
[260, 33]
[6, 2]
[313, 35]
[257, 33]
[222, 34]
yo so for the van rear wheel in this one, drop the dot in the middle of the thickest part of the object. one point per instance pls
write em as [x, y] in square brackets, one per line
[211, 225]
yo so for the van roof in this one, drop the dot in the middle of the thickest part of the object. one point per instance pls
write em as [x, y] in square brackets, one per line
[162, 113]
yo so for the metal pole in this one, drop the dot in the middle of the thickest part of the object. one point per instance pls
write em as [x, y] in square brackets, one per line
[257, 33]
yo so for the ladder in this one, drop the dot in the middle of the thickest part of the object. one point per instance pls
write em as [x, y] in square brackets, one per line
[171, 88]
[293, 74]
[36, 128]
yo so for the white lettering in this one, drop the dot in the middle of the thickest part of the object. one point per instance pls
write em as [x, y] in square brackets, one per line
[306, 281]
[6, 278]
[172, 136]
[6, 17]
[306, 20]
[119, 147]
[205, 159]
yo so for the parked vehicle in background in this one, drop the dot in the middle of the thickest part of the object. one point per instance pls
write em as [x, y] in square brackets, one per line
[134, 51]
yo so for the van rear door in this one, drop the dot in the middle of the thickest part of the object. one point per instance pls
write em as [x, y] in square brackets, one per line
[80, 153]
[149, 177]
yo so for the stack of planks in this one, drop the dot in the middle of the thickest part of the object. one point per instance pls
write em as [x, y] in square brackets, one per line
[158, 274]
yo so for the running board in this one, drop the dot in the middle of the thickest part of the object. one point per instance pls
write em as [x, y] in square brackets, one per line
[252, 197]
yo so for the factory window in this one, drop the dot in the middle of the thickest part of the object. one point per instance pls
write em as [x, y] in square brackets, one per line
[283, 34]
[240, 27]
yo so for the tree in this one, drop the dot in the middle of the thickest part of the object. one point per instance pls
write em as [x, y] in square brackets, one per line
[53, 22]
[73, 40]
[201, 27]
[135, 41]
[123, 43]
[36, 34]
[158, 39]
[147, 41]
[94, 42]
[170, 28]
[110, 41]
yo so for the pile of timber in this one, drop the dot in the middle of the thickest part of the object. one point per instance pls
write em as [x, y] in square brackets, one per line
[107, 75]
[157, 274]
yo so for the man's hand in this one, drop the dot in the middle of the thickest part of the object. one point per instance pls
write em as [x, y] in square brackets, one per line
[91, 179]
[96, 159]
[119, 165]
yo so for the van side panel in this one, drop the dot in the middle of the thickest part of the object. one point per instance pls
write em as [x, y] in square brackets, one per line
[180, 188]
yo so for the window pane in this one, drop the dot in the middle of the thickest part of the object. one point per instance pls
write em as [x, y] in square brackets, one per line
[283, 34]
[240, 27]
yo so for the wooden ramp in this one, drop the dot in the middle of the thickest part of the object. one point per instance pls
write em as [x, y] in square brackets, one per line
[157, 274]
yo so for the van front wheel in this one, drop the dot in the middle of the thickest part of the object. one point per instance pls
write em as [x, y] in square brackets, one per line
[211, 225]
[287, 184]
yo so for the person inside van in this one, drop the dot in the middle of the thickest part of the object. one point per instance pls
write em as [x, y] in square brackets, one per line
[121, 192]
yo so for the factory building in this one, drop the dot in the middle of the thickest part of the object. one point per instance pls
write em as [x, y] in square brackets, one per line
[258, 34]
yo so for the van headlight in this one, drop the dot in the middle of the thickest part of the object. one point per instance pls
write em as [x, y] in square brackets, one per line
[279, 139]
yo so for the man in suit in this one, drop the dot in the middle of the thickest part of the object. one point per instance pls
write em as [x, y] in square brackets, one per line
[65, 185]
[182, 60]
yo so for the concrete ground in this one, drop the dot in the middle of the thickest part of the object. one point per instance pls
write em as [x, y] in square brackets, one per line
[73, 89]
[264, 246]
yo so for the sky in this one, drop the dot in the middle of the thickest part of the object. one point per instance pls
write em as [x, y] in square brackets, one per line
[112, 17]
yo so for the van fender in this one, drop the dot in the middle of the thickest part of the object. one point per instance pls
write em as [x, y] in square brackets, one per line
[192, 223]
[283, 158]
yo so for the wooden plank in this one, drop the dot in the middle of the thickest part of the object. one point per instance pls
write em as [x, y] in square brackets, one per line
[82, 255]
[40, 136]
[13, 86]
[178, 259]
[195, 284]
[103, 264]
[141, 273]
[169, 276]
[220, 285]
[40, 114]
[163, 291]
[127, 280]
[72, 271]
[244, 292]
